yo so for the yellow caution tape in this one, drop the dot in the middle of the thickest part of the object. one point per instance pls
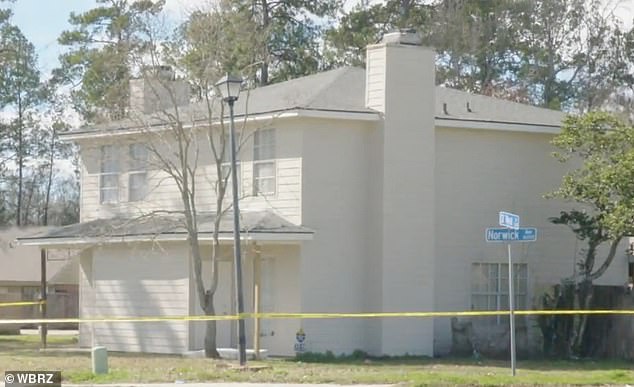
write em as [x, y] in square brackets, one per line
[431, 314]
[116, 319]
[22, 303]
[312, 316]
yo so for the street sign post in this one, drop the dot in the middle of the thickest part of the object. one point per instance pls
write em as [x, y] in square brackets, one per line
[511, 310]
[510, 232]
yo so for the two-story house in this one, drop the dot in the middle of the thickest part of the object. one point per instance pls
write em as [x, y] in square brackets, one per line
[366, 191]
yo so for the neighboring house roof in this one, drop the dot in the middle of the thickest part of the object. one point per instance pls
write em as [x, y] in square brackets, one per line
[256, 225]
[21, 264]
[343, 90]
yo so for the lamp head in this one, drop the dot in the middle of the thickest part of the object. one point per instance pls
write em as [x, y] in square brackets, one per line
[229, 87]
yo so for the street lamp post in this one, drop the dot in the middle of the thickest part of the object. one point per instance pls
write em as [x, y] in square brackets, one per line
[229, 87]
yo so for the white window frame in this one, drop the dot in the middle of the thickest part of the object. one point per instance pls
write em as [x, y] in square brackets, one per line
[137, 168]
[499, 291]
[109, 156]
[259, 161]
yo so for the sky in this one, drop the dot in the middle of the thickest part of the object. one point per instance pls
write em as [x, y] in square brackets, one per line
[42, 21]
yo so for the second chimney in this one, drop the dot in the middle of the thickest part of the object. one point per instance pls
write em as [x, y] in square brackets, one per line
[157, 89]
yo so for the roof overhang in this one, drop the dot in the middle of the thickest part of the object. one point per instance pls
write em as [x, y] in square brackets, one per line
[361, 115]
[250, 118]
[525, 127]
[256, 226]
[203, 238]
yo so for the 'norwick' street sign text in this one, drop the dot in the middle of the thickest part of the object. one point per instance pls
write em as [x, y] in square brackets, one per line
[528, 234]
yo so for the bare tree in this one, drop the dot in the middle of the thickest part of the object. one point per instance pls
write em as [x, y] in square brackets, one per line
[188, 142]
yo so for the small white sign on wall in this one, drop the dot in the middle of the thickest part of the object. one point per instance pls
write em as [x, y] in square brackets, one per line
[300, 341]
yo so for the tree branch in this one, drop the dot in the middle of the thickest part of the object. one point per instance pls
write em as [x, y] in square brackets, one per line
[608, 260]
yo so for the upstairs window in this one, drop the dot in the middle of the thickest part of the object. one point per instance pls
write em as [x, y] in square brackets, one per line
[137, 178]
[264, 168]
[109, 178]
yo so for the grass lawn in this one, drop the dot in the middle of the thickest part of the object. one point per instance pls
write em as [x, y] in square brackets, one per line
[21, 353]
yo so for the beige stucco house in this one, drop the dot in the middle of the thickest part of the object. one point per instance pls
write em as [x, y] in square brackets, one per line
[21, 276]
[367, 190]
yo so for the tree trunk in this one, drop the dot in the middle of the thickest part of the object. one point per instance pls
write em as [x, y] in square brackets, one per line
[20, 161]
[583, 301]
[404, 10]
[49, 183]
[29, 199]
[584, 293]
[210, 328]
[264, 68]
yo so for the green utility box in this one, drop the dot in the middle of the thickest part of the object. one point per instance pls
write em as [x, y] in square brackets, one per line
[99, 360]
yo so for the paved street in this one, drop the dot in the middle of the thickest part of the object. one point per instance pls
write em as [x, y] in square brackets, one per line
[233, 385]
[218, 385]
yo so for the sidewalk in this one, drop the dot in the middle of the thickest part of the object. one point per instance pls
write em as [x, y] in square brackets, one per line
[51, 332]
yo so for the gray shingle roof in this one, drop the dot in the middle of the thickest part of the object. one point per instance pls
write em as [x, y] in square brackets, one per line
[336, 90]
[343, 90]
[151, 226]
